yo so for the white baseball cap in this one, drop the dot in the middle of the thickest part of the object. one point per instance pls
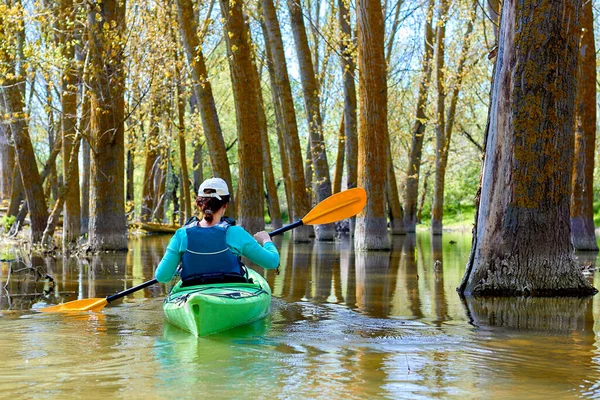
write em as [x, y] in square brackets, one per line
[216, 184]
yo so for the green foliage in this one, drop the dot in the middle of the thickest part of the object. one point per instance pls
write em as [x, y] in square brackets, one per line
[7, 222]
[596, 212]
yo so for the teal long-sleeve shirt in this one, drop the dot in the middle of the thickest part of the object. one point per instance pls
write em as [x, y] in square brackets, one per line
[239, 241]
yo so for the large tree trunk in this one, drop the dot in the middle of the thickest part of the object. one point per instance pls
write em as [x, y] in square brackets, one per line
[72, 208]
[521, 240]
[350, 102]
[418, 131]
[243, 79]
[437, 208]
[203, 89]
[107, 224]
[282, 90]
[12, 93]
[310, 90]
[371, 227]
[582, 198]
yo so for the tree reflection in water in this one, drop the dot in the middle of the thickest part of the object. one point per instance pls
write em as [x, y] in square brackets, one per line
[551, 340]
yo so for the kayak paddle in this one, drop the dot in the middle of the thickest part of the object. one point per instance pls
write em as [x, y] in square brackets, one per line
[95, 304]
[339, 206]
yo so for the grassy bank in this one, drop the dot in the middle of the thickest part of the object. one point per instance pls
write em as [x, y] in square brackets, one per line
[457, 218]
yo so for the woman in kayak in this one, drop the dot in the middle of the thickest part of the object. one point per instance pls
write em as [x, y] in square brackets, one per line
[210, 249]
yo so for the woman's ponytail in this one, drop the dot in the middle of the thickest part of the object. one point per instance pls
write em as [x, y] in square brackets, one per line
[209, 205]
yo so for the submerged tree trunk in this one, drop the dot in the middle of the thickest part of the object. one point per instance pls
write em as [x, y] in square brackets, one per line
[582, 199]
[310, 90]
[107, 225]
[243, 79]
[203, 89]
[371, 229]
[521, 240]
[418, 131]
[282, 90]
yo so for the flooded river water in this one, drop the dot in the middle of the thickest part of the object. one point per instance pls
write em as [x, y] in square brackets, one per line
[342, 326]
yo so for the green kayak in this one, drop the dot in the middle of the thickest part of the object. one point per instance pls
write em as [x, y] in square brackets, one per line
[210, 308]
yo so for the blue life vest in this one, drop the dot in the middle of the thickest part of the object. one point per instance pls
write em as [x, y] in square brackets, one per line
[207, 254]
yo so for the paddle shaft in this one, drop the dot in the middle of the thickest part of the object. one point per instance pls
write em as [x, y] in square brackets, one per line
[131, 290]
[286, 228]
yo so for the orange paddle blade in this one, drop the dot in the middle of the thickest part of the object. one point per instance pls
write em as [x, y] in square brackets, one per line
[78, 305]
[340, 206]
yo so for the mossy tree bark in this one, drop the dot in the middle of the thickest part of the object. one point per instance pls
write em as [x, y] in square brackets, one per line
[582, 199]
[371, 227]
[107, 224]
[521, 240]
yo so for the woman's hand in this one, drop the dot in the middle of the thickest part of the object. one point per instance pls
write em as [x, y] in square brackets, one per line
[262, 237]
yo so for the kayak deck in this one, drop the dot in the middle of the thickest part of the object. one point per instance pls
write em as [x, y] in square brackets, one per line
[206, 309]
